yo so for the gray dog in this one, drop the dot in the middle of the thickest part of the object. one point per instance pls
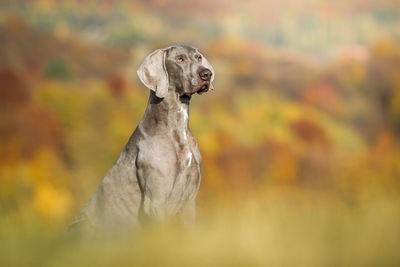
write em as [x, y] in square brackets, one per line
[158, 173]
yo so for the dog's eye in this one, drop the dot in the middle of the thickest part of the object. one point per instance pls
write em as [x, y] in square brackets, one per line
[180, 59]
[198, 57]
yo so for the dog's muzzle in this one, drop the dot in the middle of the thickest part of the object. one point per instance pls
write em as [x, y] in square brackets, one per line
[205, 76]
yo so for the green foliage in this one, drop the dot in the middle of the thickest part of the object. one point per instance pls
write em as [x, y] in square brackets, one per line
[58, 69]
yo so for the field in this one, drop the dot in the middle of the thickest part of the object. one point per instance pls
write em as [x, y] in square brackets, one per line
[271, 232]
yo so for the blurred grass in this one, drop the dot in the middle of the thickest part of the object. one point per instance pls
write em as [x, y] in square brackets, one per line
[273, 231]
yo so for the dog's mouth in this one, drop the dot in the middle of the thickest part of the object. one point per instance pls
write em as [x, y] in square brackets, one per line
[204, 88]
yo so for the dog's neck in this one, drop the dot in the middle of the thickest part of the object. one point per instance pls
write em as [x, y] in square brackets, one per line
[172, 111]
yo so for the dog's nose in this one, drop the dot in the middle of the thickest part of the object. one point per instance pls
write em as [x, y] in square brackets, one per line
[205, 75]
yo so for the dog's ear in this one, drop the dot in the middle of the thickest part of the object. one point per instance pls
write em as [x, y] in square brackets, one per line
[153, 74]
[207, 65]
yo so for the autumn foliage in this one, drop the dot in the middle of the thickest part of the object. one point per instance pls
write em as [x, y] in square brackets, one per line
[282, 118]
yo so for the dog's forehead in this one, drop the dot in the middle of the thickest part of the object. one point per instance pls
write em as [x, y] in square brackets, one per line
[180, 49]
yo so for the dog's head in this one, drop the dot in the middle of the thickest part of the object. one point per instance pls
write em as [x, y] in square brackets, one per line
[181, 66]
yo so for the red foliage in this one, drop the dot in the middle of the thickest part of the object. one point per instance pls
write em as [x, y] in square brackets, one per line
[322, 95]
[310, 132]
[116, 84]
[14, 91]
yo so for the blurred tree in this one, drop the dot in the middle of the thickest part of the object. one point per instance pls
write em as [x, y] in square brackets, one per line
[58, 69]
[310, 132]
[117, 85]
[14, 91]
[384, 82]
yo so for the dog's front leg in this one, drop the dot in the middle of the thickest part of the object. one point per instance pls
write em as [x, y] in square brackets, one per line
[155, 183]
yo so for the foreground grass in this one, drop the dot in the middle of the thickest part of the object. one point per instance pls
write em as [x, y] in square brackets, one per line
[254, 233]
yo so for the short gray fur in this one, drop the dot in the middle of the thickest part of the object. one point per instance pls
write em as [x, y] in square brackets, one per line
[158, 173]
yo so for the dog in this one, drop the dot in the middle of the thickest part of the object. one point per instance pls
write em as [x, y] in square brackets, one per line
[158, 173]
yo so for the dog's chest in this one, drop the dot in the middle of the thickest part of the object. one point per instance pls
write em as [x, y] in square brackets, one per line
[185, 144]
[186, 150]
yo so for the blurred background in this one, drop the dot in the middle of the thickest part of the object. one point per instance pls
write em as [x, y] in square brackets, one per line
[306, 110]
